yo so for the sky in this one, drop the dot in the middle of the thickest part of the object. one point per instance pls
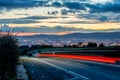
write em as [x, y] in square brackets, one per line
[60, 16]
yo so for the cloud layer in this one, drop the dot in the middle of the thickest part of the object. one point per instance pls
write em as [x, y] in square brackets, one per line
[77, 11]
[56, 29]
[71, 4]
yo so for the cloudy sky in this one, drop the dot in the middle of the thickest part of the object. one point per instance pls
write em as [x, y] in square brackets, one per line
[60, 16]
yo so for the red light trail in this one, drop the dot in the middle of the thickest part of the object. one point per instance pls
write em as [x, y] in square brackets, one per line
[81, 57]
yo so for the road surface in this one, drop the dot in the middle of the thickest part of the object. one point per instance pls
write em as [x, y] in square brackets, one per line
[69, 69]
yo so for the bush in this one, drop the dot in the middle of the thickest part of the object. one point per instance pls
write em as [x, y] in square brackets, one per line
[101, 45]
[91, 44]
[8, 56]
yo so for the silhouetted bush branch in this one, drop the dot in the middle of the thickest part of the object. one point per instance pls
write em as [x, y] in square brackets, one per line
[8, 56]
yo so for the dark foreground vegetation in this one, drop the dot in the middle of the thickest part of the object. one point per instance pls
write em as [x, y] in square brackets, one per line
[8, 56]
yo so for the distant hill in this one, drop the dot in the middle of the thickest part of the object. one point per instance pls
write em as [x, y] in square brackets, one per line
[102, 35]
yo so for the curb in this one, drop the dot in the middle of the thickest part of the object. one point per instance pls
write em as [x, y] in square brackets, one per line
[21, 72]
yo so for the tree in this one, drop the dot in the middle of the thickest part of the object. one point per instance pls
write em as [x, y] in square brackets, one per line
[101, 45]
[91, 44]
[8, 56]
[65, 45]
[80, 43]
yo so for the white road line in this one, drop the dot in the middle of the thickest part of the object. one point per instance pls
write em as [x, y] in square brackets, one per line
[76, 76]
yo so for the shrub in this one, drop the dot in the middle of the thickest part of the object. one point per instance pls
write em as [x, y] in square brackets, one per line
[101, 45]
[8, 56]
[91, 44]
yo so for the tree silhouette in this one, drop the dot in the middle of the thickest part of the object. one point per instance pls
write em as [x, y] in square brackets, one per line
[91, 44]
[80, 43]
[101, 45]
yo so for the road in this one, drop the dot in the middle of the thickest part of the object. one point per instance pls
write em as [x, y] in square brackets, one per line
[70, 69]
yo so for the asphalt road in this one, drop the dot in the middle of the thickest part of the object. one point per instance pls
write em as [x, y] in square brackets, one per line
[70, 69]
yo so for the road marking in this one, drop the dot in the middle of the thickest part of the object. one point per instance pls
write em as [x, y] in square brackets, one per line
[76, 76]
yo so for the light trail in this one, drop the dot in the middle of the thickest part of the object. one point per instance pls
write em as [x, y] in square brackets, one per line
[90, 58]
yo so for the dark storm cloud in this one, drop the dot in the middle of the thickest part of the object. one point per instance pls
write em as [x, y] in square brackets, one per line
[25, 20]
[41, 29]
[44, 29]
[75, 5]
[10, 4]
[65, 12]
[21, 3]
[38, 17]
[103, 18]
[107, 7]
[109, 11]
[98, 7]
[57, 4]
[100, 17]
[16, 21]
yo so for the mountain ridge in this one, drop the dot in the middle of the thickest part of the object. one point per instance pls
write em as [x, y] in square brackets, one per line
[97, 35]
